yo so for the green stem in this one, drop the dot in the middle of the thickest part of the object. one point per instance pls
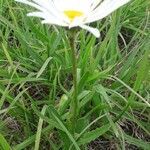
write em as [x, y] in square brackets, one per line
[74, 101]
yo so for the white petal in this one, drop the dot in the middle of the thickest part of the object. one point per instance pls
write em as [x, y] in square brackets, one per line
[37, 14]
[54, 22]
[82, 5]
[49, 12]
[44, 15]
[95, 3]
[30, 3]
[47, 18]
[48, 6]
[94, 31]
[104, 9]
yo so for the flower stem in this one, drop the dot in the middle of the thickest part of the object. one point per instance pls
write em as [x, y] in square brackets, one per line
[74, 101]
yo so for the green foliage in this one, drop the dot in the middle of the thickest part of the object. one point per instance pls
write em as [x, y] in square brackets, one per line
[36, 81]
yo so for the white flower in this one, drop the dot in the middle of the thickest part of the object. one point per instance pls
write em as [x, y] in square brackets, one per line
[73, 13]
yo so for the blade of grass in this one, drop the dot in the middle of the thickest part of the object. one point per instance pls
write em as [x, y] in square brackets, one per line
[3, 143]
[39, 129]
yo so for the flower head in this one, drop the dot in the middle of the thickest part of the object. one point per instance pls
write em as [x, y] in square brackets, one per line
[73, 13]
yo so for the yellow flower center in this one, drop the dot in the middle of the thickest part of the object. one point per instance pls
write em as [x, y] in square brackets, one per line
[72, 14]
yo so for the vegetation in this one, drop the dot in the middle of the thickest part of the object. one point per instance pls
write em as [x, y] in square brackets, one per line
[36, 83]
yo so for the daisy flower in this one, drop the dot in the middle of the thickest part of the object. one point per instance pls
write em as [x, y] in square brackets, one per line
[73, 13]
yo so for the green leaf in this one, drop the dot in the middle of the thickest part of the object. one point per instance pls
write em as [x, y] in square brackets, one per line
[52, 122]
[3, 143]
[63, 104]
[39, 129]
[43, 67]
[103, 92]
[54, 113]
[92, 135]
[81, 124]
[137, 142]
[31, 139]
[86, 99]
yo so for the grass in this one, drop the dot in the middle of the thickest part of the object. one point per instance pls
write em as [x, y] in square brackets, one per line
[113, 82]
